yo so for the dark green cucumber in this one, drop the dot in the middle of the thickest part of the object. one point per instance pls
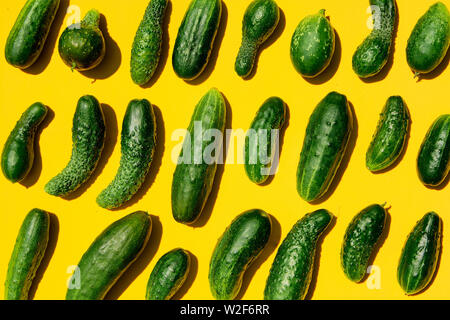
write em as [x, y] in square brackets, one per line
[138, 146]
[418, 261]
[260, 150]
[326, 140]
[433, 162]
[312, 45]
[18, 152]
[390, 137]
[27, 37]
[196, 169]
[109, 256]
[195, 38]
[241, 243]
[29, 250]
[429, 40]
[292, 269]
[260, 20]
[88, 137]
[360, 238]
[372, 55]
[169, 275]
[148, 42]
[82, 45]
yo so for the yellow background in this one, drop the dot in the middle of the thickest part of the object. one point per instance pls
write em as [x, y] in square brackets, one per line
[81, 220]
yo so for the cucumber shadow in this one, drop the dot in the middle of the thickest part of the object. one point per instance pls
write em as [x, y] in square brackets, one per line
[189, 280]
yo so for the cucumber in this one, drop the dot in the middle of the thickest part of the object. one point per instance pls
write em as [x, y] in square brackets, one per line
[196, 169]
[138, 146]
[260, 21]
[88, 137]
[241, 243]
[18, 151]
[418, 261]
[360, 239]
[169, 275]
[372, 55]
[195, 38]
[27, 37]
[324, 146]
[433, 162]
[147, 43]
[312, 45]
[29, 250]
[271, 116]
[82, 45]
[292, 269]
[390, 137]
[429, 41]
[109, 256]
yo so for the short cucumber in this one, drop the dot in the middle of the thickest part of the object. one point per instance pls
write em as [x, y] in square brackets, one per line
[238, 247]
[292, 269]
[109, 256]
[18, 152]
[169, 275]
[30, 247]
[360, 239]
[259, 147]
[418, 261]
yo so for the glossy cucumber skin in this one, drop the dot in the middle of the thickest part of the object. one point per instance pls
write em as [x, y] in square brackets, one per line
[372, 55]
[169, 275]
[271, 116]
[390, 137]
[194, 175]
[239, 246]
[88, 137]
[418, 261]
[18, 151]
[291, 271]
[109, 256]
[360, 239]
[147, 43]
[433, 162]
[429, 40]
[29, 250]
[138, 146]
[260, 21]
[27, 37]
[326, 140]
[195, 38]
[312, 45]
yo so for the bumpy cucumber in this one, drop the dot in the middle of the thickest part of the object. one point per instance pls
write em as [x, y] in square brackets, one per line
[372, 55]
[259, 151]
[29, 250]
[390, 137]
[360, 238]
[418, 261]
[169, 275]
[326, 140]
[108, 257]
[147, 43]
[260, 20]
[138, 146]
[292, 269]
[18, 152]
[88, 137]
[27, 37]
[238, 247]
[196, 169]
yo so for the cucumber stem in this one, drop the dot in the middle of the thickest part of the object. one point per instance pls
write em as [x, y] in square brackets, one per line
[322, 12]
[91, 19]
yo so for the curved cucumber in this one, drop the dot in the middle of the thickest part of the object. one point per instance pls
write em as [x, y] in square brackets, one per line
[18, 152]
[88, 137]
[138, 146]
[238, 247]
